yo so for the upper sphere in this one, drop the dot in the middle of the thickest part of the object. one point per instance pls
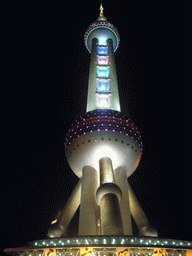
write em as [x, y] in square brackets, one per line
[103, 133]
[101, 29]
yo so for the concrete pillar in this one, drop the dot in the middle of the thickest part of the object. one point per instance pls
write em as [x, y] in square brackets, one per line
[121, 181]
[91, 97]
[89, 210]
[106, 171]
[145, 229]
[60, 227]
[111, 222]
[115, 102]
[108, 197]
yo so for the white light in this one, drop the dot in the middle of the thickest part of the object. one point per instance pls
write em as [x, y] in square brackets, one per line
[105, 151]
[103, 103]
[102, 41]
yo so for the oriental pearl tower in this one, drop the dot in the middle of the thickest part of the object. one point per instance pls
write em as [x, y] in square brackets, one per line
[103, 148]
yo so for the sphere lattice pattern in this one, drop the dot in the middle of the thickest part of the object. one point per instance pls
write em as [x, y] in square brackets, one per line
[103, 120]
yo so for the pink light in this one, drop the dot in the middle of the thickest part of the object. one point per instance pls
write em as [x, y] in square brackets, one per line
[103, 60]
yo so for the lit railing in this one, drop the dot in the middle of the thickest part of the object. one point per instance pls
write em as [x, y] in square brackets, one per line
[119, 241]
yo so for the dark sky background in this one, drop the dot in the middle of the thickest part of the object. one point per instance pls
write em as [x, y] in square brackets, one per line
[46, 70]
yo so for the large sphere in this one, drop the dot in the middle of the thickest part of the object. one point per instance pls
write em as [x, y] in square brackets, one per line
[102, 30]
[104, 133]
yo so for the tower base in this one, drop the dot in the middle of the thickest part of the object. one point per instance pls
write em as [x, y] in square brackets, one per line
[105, 246]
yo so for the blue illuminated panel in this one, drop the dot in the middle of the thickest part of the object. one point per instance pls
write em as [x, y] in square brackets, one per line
[103, 86]
[102, 49]
[102, 71]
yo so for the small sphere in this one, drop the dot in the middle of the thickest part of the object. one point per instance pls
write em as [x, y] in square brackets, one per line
[101, 30]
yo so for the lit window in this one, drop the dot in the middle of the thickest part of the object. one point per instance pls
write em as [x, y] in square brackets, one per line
[102, 60]
[103, 85]
[102, 71]
[102, 49]
[103, 101]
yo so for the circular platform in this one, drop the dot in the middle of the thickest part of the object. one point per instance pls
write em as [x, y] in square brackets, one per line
[104, 246]
[113, 241]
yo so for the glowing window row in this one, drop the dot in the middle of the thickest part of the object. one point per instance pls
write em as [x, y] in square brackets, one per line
[103, 98]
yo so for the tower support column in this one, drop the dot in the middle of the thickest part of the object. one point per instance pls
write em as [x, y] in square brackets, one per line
[145, 229]
[108, 197]
[60, 227]
[91, 98]
[121, 181]
[115, 103]
[89, 210]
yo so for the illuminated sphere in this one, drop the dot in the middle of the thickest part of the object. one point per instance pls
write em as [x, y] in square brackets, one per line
[102, 30]
[103, 133]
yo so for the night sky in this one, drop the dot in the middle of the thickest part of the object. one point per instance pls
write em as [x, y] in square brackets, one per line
[46, 70]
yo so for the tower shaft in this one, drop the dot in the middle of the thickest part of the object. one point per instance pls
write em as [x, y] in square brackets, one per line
[102, 88]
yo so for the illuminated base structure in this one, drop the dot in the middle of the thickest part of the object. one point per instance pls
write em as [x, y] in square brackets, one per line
[105, 246]
[103, 148]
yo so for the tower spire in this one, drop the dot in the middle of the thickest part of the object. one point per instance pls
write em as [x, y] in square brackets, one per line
[101, 10]
[101, 14]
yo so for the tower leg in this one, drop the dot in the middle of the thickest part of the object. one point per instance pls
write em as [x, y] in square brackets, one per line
[108, 197]
[89, 210]
[145, 229]
[121, 181]
[60, 227]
